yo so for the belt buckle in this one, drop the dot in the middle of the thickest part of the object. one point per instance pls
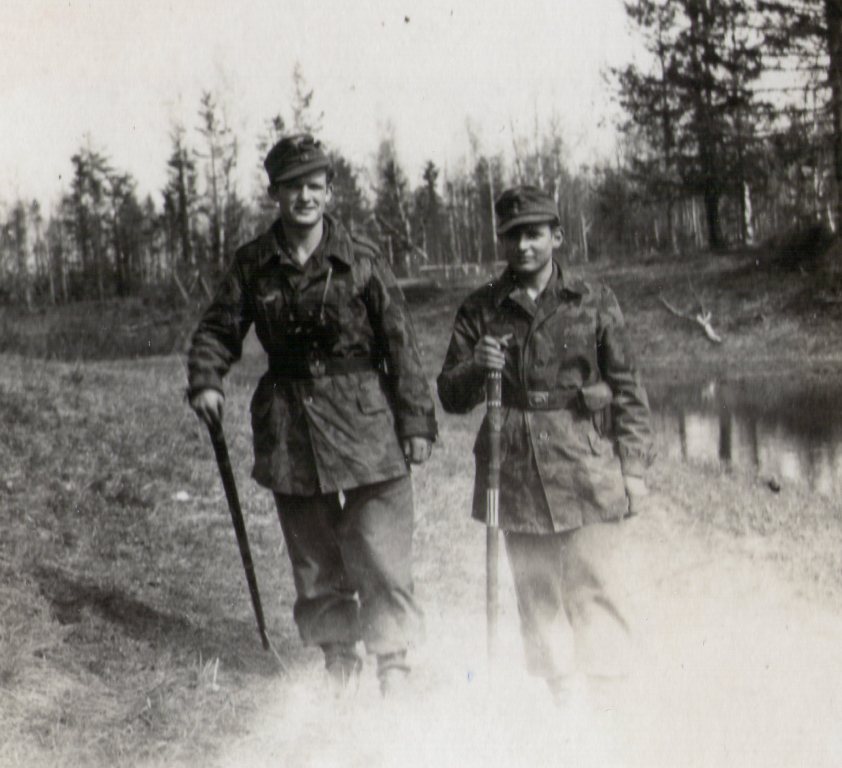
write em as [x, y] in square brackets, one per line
[317, 367]
[537, 399]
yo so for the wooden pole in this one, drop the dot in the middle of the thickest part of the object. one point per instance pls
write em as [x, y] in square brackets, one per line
[494, 387]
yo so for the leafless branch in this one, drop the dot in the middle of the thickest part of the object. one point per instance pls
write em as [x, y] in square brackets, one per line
[702, 317]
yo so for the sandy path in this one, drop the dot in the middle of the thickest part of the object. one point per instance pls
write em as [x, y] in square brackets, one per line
[735, 669]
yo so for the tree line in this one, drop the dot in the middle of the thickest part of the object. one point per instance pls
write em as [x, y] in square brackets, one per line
[731, 133]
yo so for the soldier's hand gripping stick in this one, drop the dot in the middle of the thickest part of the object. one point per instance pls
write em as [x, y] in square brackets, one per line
[494, 388]
[224, 463]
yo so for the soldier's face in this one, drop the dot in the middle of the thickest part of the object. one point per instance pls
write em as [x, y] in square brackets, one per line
[528, 248]
[302, 200]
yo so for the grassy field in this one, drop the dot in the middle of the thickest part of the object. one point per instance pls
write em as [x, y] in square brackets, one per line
[127, 636]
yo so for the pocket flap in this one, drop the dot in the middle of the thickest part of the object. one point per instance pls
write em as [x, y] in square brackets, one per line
[370, 397]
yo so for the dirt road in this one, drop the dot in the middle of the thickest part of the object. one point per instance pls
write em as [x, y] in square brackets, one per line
[735, 668]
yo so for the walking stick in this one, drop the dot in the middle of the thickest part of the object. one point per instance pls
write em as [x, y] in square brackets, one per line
[493, 396]
[224, 463]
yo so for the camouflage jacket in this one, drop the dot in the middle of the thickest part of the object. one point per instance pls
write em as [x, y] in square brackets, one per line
[560, 468]
[345, 381]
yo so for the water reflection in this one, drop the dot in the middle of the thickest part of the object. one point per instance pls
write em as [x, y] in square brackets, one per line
[785, 429]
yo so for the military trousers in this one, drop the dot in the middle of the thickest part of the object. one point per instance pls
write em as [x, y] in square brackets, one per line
[352, 565]
[572, 601]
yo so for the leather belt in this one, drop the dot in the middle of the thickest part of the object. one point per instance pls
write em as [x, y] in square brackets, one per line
[542, 400]
[315, 367]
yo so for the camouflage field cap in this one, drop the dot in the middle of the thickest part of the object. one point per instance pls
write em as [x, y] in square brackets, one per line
[524, 204]
[294, 156]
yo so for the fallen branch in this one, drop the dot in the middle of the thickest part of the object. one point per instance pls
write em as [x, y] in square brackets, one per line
[703, 318]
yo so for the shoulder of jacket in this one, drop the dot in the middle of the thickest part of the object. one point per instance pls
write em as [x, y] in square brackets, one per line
[363, 246]
[481, 297]
[575, 278]
[605, 302]
[601, 289]
[249, 251]
[255, 253]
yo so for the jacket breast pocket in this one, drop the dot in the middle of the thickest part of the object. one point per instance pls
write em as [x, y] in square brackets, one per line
[270, 308]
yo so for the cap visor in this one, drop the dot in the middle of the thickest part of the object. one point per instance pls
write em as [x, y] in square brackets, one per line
[533, 218]
[302, 170]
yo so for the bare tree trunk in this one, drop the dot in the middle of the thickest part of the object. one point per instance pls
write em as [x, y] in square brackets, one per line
[672, 235]
[477, 231]
[99, 258]
[586, 228]
[493, 214]
[833, 19]
[712, 219]
[697, 230]
[748, 218]
[539, 158]
[183, 220]
[518, 159]
[51, 278]
[62, 266]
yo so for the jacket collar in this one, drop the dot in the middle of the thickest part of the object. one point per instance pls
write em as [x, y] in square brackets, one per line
[561, 281]
[335, 244]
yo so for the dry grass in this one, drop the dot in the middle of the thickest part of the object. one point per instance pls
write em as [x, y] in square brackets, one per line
[116, 596]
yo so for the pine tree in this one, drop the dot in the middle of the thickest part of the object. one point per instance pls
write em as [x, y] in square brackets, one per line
[180, 202]
[89, 209]
[696, 105]
[427, 214]
[391, 206]
[219, 203]
[349, 204]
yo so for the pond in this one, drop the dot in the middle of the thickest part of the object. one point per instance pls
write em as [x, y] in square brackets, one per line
[786, 430]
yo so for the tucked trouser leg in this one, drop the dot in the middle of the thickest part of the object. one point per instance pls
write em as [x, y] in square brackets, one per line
[326, 609]
[375, 537]
[570, 602]
[535, 561]
[595, 598]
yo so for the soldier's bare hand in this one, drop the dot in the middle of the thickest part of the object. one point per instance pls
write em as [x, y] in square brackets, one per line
[417, 449]
[488, 353]
[208, 406]
[636, 493]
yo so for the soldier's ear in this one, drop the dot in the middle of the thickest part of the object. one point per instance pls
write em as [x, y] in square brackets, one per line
[558, 237]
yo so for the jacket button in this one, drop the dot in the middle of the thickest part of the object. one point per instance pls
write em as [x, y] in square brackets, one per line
[544, 436]
[308, 400]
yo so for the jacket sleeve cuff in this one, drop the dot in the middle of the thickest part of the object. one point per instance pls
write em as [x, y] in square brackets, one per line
[423, 425]
[204, 380]
[635, 464]
[462, 387]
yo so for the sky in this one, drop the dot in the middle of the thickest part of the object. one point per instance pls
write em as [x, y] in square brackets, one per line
[118, 75]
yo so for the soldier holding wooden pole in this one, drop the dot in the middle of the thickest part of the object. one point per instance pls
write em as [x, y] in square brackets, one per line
[560, 348]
